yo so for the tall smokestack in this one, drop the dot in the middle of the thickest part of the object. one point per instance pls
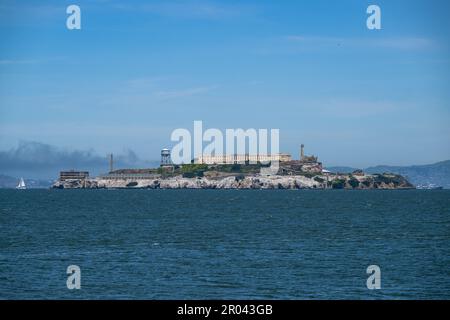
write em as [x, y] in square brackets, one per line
[111, 167]
[302, 152]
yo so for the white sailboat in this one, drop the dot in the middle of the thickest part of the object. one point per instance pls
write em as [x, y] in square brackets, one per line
[21, 184]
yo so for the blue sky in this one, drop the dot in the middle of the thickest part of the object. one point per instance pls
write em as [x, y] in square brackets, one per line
[137, 70]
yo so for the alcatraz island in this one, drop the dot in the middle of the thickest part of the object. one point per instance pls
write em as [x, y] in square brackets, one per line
[234, 171]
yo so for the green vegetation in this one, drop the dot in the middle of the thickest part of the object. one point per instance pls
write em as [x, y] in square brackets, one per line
[366, 183]
[388, 178]
[338, 184]
[237, 168]
[319, 179]
[197, 170]
[193, 170]
[353, 182]
[309, 175]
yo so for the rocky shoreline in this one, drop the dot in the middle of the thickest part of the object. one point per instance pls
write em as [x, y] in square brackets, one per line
[348, 181]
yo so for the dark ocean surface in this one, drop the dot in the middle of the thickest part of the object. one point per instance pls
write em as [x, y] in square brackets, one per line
[219, 244]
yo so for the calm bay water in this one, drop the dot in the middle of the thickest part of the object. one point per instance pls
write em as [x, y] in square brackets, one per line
[219, 244]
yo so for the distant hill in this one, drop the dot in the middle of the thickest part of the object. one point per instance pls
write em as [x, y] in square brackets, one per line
[437, 173]
[11, 182]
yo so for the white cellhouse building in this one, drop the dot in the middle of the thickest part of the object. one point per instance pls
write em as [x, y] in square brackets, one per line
[242, 158]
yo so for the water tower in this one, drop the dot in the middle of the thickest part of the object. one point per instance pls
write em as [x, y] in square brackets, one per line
[165, 157]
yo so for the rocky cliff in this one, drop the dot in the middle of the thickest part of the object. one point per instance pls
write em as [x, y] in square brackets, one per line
[376, 181]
